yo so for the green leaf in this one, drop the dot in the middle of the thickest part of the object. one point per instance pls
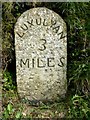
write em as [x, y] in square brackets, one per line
[9, 108]
[18, 115]
[6, 114]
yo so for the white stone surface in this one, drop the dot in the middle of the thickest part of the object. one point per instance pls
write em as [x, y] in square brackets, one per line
[41, 55]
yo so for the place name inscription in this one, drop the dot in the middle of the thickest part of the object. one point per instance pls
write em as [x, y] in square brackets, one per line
[38, 62]
[32, 22]
[41, 55]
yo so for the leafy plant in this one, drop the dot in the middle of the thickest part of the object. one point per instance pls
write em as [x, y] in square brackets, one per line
[79, 108]
[77, 17]
[18, 114]
[8, 83]
[8, 111]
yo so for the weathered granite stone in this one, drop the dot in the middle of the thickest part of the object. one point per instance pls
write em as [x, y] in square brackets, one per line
[41, 55]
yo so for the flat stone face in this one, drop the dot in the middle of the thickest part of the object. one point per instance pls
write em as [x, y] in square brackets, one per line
[41, 55]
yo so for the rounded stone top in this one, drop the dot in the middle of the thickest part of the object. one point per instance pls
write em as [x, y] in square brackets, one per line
[43, 13]
[41, 54]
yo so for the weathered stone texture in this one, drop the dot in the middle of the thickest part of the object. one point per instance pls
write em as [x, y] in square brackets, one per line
[41, 54]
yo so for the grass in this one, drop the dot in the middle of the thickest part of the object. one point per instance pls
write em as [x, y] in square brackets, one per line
[24, 110]
[73, 106]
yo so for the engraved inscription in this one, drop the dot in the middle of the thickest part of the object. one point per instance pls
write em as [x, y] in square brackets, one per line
[40, 21]
[42, 47]
[41, 55]
[49, 62]
[41, 62]
[25, 63]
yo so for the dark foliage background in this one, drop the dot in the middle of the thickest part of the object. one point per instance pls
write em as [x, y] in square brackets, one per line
[77, 17]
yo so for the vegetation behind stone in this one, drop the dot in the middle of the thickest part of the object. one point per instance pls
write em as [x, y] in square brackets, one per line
[77, 102]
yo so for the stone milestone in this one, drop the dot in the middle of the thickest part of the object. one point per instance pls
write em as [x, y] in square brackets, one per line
[41, 55]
